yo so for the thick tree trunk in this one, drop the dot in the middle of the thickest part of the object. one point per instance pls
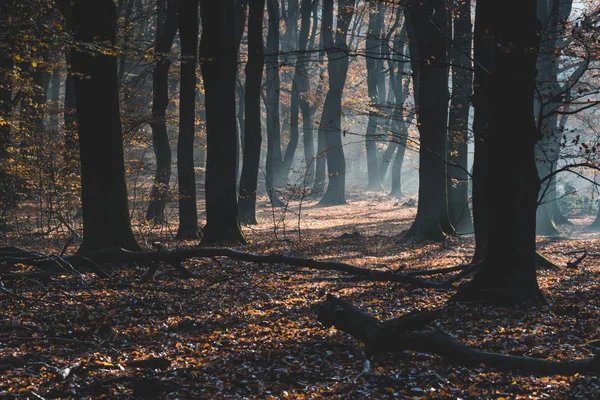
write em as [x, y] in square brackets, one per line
[218, 55]
[508, 273]
[186, 174]
[458, 121]
[253, 137]
[331, 119]
[104, 192]
[165, 34]
[432, 220]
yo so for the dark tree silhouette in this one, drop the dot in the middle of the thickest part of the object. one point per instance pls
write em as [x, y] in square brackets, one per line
[104, 192]
[373, 53]
[458, 119]
[188, 34]
[427, 27]
[272, 103]
[218, 60]
[508, 272]
[253, 136]
[331, 119]
[166, 28]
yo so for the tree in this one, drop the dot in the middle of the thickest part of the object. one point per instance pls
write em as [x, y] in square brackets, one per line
[508, 271]
[331, 119]
[553, 14]
[218, 60]
[253, 136]
[373, 53]
[458, 119]
[272, 100]
[427, 27]
[166, 28]
[104, 192]
[188, 34]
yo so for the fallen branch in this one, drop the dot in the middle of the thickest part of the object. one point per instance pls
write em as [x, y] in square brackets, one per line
[575, 264]
[15, 255]
[400, 334]
[176, 257]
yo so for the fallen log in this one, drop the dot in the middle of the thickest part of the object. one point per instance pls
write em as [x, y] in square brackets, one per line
[400, 334]
[176, 257]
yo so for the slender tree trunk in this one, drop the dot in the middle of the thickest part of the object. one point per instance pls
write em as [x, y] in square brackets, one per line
[458, 121]
[552, 13]
[165, 34]
[104, 192]
[272, 84]
[483, 47]
[186, 174]
[331, 120]
[429, 24]
[508, 273]
[372, 53]
[126, 39]
[218, 55]
[293, 47]
[6, 107]
[253, 137]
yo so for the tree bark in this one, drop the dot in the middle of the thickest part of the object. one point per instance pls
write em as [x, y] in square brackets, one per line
[165, 34]
[186, 174]
[429, 23]
[104, 192]
[483, 51]
[458, 119]
[218, 55]
[508, 273]
[272, 86]
[253, 136]
[372, 54]
[331, 120]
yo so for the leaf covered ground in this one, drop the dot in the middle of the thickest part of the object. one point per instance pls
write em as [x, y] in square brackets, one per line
[241, 330]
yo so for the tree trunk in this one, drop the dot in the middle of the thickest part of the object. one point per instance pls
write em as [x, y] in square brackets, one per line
[508, 273]
[372, 53]
[253, 137]
[272, 85]
[165, 34]
[104, 192]
[186, 174]
[294, 47]
[6, 107]
[399, 84]
[218, 55]
[552, 14]
[458, 120]
[483, 47]
[432, 220]
[331, 119]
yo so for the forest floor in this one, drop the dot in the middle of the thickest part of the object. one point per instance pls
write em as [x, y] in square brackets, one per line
[242, 330]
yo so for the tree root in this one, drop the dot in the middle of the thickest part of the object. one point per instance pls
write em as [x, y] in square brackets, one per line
[399, 334]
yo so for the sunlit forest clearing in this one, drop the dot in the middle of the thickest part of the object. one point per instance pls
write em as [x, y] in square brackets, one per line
[296, 199]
